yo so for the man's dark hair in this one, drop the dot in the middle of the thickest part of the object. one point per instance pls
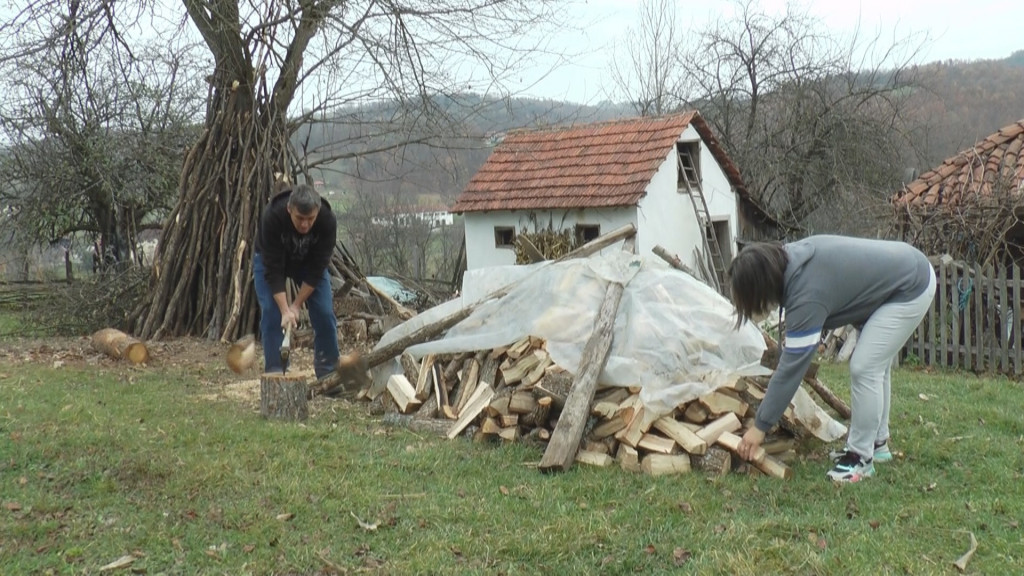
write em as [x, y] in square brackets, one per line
[756, 277]
[304, 199]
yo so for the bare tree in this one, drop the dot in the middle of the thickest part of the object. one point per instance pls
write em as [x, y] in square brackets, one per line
[94, 129]
[646, 67]
[806, 116]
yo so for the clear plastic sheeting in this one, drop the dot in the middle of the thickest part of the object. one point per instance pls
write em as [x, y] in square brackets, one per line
[673, 335]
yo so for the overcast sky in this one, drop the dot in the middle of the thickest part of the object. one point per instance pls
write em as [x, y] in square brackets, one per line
[949, 29]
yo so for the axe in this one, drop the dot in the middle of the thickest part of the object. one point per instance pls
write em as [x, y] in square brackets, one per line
[286, 349]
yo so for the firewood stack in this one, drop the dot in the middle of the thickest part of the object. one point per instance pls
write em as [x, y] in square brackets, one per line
[516, 393]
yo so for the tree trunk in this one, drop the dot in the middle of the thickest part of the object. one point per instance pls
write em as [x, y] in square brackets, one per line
[283, 396]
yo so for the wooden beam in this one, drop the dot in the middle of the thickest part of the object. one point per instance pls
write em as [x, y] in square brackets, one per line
[565, 440]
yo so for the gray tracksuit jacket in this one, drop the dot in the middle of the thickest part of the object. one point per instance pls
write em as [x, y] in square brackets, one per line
[832, 281]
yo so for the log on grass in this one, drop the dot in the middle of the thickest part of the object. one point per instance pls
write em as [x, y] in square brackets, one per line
[283, 396]
[120, 346]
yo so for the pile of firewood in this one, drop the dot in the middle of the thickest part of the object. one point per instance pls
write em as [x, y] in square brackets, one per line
[517, 393]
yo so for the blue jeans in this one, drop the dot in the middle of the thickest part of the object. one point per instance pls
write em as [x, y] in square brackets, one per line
[321, 315]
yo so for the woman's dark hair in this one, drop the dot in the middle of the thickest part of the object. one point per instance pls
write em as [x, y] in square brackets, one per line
[756, 279]
[304, 199]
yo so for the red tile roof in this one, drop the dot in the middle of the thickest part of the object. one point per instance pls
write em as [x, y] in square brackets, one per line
[996, 160]
[592, 165]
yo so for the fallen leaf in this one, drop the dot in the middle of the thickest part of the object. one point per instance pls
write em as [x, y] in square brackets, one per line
[685, 508]
[365, 525]
[681, 556]
[649, 549]
[248, 548]
[607, 560]
[503, 490]
[12, 506]
[719, 528]
[923, 396]
[285, 517]
[874, 524]
[22, 480]
[822, 544]
[122, 562]
[930, 487]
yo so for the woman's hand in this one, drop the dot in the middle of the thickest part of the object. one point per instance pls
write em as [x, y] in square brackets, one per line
[750, 442]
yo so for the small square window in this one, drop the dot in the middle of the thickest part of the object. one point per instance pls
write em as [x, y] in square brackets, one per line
[504, 237]
[587, 232]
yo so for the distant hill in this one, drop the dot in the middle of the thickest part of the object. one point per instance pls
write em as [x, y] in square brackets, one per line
[961, 102]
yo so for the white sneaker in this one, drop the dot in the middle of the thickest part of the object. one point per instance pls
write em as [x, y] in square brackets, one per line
[850, 467]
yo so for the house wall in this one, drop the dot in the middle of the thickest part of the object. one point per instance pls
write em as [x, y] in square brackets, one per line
[481, 251]
[666, 216]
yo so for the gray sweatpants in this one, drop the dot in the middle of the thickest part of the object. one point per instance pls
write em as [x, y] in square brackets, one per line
[882, 337]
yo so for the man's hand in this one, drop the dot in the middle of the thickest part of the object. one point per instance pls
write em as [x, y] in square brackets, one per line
[750, 442]
[289, 318]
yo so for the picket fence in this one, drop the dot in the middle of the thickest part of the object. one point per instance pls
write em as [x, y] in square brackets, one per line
[974, 322]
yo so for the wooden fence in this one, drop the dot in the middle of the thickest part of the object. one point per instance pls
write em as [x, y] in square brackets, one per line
[975, 320]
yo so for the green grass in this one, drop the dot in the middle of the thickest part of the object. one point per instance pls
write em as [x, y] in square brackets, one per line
[97, 464]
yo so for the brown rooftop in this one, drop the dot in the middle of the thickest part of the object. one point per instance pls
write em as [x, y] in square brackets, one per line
[592, 165]
[994, 161]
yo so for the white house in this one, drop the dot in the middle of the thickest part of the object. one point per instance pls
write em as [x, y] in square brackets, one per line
[599, 177]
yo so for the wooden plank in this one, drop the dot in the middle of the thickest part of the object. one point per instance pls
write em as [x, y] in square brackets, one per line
[1017, 370]
[955, 338]
[1005, 319]
[992, 334]
[942, 319]
[964, 283]
[922, 329]
[480, 399]
[979, 317]
[932, 319]
[565, 440]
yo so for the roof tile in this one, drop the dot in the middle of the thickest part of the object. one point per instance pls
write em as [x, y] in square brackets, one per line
[591, 165]
[993, 163]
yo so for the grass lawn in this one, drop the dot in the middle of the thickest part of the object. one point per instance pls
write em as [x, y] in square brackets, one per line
[102, 462]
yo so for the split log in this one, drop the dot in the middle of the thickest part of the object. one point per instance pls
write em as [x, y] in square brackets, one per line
[732, 442]
[120, 346]
[719, 403]
[658, 444]
[629, 458]
[682, 435]
[476, 404]
[662, 464]
[711, 432]
[283, 396]
[593, 458]
[403, 393]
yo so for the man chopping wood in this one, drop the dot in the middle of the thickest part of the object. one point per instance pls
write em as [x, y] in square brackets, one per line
[824, 282]
[295, 239]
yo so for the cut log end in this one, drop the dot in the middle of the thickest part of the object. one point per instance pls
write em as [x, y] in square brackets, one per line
[283, 396]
